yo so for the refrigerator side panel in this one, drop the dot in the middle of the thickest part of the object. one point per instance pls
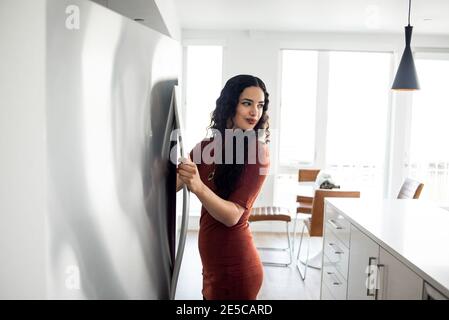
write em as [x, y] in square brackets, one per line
[109, 88]
[22, 149]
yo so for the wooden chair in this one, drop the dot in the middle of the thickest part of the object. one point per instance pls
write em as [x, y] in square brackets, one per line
[314, 224]
[271, 213]
[304, 202]
[411, 189]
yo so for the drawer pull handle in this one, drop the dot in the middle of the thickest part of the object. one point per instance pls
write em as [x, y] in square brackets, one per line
[336, 249]
[334, 281]
[334, 224]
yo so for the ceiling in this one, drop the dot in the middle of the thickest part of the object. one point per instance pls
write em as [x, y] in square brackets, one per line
[361, 16]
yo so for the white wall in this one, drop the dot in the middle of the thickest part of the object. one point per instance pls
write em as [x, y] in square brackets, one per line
[22, 149]
[258, 53]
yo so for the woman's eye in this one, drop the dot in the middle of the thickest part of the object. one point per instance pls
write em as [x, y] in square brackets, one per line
[260, 106]
[246, 103]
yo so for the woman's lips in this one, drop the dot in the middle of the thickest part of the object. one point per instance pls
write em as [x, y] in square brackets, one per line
[251, 121]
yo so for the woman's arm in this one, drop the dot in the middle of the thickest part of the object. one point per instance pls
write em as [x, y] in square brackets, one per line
[179, 183]
[226, 212]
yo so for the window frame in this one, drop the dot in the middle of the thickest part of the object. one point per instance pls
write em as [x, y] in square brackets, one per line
[284, 167]
[195, 208]
[321, 116]
[419, 53]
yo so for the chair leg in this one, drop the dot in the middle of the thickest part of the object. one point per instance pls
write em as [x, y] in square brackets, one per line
[289, 249]
[307, 256]
[298, 262]
[300, 241]
[294, 232]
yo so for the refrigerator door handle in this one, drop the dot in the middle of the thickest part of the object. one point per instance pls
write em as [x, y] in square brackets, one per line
[182, 241]
[185, 209]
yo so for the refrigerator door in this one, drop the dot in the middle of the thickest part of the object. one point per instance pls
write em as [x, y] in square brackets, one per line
[111, 186]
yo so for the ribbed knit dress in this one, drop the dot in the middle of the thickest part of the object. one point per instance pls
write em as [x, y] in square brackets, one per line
[232, 269]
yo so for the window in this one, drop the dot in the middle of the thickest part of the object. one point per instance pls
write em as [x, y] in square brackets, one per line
[358, 102]
[429, 154]
[203, 85]
[298, 105]
[334, 115]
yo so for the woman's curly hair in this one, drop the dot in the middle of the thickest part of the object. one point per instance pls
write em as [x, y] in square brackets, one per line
[226, 175]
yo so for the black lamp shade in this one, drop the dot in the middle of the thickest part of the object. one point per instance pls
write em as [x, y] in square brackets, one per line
[406, 78]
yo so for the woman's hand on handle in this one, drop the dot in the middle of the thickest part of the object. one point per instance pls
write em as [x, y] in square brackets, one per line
[188, 174]
[226, 212]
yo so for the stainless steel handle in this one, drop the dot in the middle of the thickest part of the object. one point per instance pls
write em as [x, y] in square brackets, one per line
[185, 212]
[368, 292]
[181, 243]
[378, 282]
[335, 248]
[334, 224]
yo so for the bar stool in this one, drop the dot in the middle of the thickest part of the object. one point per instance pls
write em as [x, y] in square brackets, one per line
[271, 213]
[304, 202]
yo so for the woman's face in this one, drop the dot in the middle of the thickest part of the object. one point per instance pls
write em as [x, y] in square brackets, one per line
[249, 108]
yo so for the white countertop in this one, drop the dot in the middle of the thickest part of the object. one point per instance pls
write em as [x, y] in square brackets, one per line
[414, 231]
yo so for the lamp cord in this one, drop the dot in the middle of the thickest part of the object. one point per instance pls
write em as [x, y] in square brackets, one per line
[409, 6]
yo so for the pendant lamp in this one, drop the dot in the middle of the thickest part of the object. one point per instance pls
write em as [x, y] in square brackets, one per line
[406, 78]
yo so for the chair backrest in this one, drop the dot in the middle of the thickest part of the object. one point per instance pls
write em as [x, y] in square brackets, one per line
[306, 175]
[316, 224]
[411, 189]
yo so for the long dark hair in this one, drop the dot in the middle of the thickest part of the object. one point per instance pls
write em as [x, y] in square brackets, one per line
[226, 175]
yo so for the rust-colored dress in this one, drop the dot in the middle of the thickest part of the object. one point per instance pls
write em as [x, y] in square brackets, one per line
[232, 269]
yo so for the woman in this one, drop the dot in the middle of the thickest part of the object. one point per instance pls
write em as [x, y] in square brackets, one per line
[227, 189]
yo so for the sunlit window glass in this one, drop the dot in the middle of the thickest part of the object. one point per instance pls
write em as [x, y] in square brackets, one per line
[298, 107]
[357, 119]
[429, 154]
[203, 85]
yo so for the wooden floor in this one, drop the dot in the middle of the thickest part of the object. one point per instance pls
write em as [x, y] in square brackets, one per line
[280, 283]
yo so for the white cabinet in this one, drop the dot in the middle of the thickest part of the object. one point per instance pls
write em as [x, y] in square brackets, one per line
[357, 267]
[430, 293]
[370, 250]
[336, 253]
[335, 256]
[376, 274]
[336, 222]
[334, 282]
[397, 281]
[363, 258]
[326, 293]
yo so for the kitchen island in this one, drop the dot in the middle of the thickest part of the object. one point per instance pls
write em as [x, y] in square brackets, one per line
[387, 249]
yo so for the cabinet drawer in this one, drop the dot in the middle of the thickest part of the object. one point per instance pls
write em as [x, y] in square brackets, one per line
[338, 224]
[336, 252]
[334, 281]
[326, 293]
